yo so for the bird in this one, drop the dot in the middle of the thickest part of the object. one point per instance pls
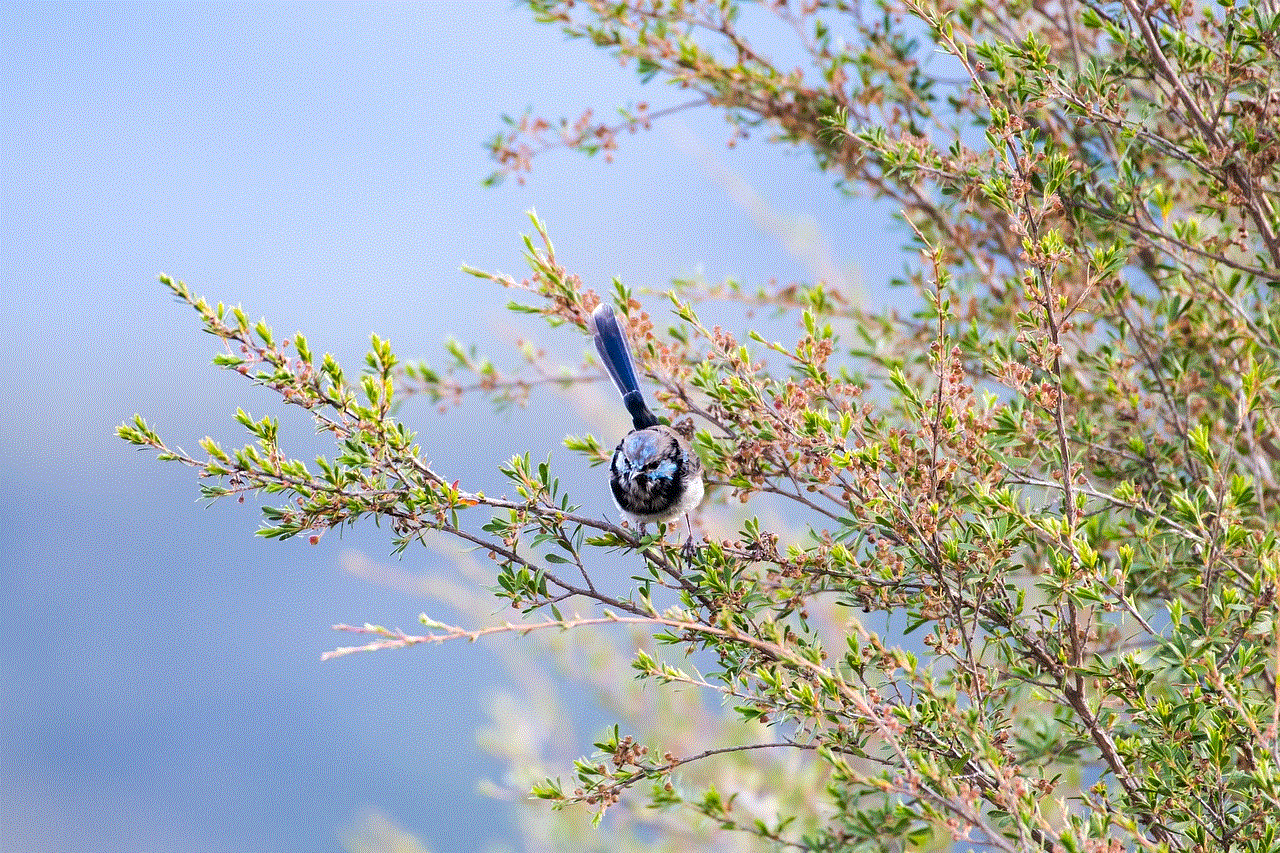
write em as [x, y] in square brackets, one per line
[654, 474]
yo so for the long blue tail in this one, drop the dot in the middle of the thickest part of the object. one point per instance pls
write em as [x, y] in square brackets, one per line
[611, 343]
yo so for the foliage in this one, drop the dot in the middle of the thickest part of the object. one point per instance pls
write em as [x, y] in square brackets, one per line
[1062, 476]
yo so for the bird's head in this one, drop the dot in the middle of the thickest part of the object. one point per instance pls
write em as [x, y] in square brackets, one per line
[649, 454]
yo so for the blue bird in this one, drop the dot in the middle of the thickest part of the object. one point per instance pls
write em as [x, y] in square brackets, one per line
[654, 474]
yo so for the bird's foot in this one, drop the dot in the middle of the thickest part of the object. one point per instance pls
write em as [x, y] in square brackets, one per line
[688, 551]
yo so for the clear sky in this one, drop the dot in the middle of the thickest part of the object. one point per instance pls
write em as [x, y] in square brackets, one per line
[160, 686]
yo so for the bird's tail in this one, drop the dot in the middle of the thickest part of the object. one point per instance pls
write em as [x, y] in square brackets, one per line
[611, 343]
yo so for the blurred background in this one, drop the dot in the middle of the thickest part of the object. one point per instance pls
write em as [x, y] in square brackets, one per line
[161, 686]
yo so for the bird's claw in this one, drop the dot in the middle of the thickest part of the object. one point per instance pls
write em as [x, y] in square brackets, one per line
[688, 551]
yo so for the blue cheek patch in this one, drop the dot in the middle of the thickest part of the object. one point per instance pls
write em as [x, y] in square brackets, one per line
[664, 471]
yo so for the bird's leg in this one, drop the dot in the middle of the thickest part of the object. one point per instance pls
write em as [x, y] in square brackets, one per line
[689, 550]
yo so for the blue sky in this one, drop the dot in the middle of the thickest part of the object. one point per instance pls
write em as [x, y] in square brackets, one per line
[161, 687]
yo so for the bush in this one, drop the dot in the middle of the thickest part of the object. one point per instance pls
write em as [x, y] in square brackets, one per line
[1060, 477]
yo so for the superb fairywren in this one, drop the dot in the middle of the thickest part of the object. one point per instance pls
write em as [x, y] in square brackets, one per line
[655, 475]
